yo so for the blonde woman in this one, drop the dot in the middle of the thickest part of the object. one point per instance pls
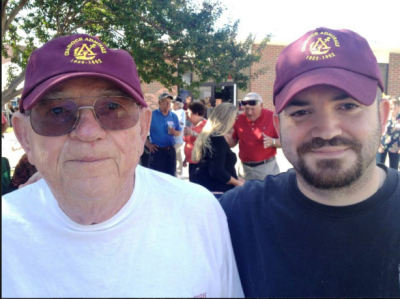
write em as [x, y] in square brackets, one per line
[216, 162]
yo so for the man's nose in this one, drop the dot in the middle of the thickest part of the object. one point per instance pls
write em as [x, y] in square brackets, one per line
[326, 125]
[88, 127]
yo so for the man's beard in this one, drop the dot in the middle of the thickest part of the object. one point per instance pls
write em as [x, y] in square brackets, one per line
[328, 174]
[336, 173]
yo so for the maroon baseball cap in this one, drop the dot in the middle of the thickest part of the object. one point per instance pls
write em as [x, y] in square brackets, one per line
[339, 58]
[74, 56]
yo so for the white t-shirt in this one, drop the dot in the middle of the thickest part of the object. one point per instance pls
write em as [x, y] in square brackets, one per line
[181, 114]
[170, 240]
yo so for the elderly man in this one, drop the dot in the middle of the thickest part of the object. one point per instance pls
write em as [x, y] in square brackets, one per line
[330, 227]
[97, 224]
[163, 130]
[258, 139]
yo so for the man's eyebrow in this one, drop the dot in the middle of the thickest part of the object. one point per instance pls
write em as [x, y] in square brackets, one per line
[297, 102]
[105, 92]
[52, 95]
[113, 92]
[302, 103]
[341, 96]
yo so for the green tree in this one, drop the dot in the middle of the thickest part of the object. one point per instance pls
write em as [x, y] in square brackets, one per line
[166, 38]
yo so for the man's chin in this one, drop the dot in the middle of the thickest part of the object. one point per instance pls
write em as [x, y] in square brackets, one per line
[330, 174]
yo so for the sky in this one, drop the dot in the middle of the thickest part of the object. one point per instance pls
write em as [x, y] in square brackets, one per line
[376, 20]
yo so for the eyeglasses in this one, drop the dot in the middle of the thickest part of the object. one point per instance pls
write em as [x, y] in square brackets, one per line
[57, 117]
[249, 102]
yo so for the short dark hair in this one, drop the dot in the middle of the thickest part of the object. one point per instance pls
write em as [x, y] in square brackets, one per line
[198, 108]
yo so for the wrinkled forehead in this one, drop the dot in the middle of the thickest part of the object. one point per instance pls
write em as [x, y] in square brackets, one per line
[77, 87]
[318, 94]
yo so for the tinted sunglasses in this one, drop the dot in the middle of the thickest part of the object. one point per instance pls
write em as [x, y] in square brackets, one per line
[57, 117]
[249, 102]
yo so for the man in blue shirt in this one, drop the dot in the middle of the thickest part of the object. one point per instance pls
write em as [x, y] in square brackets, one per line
[164, 127]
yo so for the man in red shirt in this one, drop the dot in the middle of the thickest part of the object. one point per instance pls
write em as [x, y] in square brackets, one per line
[258, 139]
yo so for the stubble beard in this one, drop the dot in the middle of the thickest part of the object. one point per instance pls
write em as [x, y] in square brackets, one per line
[331, 173]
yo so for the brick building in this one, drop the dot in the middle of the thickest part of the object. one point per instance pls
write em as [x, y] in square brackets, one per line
[263, 84]
[393, 75]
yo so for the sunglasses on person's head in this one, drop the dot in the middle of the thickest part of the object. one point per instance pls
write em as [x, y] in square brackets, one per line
[250, 102]
[57, 117]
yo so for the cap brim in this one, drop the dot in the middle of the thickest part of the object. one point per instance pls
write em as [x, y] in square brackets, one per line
[246, 100]
[359, 87]
[45, 86]
[166, 97]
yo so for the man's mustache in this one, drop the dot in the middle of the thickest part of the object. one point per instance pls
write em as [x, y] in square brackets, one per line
[318, 142]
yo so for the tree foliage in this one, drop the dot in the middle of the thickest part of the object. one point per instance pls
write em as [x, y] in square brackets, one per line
[166, 38]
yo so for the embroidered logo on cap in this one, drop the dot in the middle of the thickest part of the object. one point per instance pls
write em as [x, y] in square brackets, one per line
[85, 51]
[320, 46]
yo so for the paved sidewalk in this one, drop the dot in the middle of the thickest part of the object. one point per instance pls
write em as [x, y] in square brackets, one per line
[280, 158]
[10, 148]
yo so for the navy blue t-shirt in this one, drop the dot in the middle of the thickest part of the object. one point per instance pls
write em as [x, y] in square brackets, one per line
[287, 245]
[159, 128]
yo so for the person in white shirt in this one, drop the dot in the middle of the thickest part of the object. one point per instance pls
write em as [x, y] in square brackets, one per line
[97, 224]
[177, 108]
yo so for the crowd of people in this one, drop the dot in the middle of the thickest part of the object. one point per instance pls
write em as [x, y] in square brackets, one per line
[212, 163]
[96, 223]
[253, 130]
[207, 136]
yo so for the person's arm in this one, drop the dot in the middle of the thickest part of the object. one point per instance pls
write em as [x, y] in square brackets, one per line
[236, 182]
[232, 139]
[187, 134]
[152, 147]
[271, 141]
[176, 130]
[277, 142]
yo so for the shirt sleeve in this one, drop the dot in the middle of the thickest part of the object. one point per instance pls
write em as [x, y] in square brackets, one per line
[176, 122]
[183, 118]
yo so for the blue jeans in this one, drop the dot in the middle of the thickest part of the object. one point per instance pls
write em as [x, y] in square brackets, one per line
[164, 160]
[393, 159]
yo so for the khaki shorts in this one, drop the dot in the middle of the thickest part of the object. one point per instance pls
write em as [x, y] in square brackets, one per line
[258, 172]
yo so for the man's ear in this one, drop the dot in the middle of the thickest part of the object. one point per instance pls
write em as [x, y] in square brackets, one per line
[22, 130]
[384, 111]
[276, 124]
[145, 120]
